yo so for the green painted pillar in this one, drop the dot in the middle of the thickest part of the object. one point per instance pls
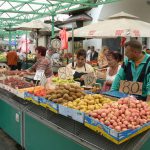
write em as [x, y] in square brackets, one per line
[10, 37]
[53, 34]
[15, 39]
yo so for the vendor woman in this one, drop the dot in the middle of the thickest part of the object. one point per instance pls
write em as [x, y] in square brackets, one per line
[42, 63]
[135, 68]
[80, 67]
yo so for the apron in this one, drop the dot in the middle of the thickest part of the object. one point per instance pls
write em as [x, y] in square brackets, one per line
[77, 75]
[143, 74]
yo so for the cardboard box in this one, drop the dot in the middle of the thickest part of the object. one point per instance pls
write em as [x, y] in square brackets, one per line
[43, 101]
[52, 106]
[71, 113]
[111, 134]
[30, 97]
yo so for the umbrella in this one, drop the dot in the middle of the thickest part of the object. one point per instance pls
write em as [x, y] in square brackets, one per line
[118, 25]
[47, 30]
[35, 25]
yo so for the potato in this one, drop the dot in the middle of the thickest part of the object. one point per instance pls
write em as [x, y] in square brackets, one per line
[91, 102]
[70, 99]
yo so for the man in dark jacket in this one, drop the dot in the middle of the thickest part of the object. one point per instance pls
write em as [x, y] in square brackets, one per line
[94, 54]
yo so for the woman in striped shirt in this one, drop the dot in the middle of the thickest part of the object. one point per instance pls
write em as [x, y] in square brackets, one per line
[42, 62]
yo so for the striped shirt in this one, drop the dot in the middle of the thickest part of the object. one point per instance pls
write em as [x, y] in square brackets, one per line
[43, 64]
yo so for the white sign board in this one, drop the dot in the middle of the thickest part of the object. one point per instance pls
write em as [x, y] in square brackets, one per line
[39, 74]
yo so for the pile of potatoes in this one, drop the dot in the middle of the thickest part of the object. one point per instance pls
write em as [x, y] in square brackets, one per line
[88, 103]
[64, 93]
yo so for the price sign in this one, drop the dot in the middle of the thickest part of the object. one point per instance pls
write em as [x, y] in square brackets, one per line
[69, 73]
[43, 80]
[131, 87]
[65, 73]
[89, 79]
[38, 74]
[62, 72]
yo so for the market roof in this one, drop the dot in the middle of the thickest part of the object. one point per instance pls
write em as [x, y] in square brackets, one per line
[14, 12]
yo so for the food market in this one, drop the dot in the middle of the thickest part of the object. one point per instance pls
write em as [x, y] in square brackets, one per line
[60, 88]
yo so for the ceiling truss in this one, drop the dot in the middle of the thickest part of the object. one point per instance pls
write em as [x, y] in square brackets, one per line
[14, 12]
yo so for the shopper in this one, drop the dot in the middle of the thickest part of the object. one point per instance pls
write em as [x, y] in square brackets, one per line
[113, 59]
[21, 59]
[42, 63]
[88, 54]
[12, 59]
[94, 54]
[102, 60]
[80, 67]
[148, 51]
[135, 68]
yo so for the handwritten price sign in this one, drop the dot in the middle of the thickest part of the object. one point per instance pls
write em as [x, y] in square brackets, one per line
[39, 74]
[65, 73]
[130, 87]
[89, 79]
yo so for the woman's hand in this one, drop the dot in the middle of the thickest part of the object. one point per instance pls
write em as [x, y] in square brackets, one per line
[108, 82]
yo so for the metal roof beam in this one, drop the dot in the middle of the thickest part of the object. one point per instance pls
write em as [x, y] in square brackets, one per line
[28, 2]
[23, 12]
[83, 2]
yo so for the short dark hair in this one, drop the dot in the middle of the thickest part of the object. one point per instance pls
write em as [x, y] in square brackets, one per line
[116, 55]
[135, 44]
[41, 50]
[92, 47]
[81, 52]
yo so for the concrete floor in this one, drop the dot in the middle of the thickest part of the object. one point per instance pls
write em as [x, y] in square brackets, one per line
[6, 143]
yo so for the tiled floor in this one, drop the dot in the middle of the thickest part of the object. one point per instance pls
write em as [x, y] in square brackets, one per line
[6, 143]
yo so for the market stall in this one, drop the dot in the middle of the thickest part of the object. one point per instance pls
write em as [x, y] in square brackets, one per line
[39, 118]
[48, 129]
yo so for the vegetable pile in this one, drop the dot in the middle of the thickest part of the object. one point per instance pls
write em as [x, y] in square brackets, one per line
[127, 113]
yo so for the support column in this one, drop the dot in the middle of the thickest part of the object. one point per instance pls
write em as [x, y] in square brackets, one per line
[10, 37]
[53, 34]
[148, 42]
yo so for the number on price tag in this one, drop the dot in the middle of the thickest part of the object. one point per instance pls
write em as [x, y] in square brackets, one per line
[89, 79]
[65, 73]
[38, 74]
[131, 87]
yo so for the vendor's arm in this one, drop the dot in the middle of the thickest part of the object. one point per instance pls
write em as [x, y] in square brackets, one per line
[148, 87]
[108, 82]
[116, 83]
[148, 98]
[32, 68]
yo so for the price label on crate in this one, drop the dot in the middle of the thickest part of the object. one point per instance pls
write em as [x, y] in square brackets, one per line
[131, 87]
[38, 74]
[89, 79]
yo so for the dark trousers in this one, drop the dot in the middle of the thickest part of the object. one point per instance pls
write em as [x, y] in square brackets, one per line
[19, 65]
[13, 67]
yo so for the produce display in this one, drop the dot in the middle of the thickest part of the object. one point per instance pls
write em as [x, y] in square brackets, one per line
[58, 80]
[16, 82]
[64, 93]
[127, 113]
[31, 56]
[2, 57]
[88, 103]
[16, 72]
[37, 90]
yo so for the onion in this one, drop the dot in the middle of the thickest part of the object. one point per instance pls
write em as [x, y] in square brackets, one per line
[124, 129]
[118, 128]
[103, 114]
